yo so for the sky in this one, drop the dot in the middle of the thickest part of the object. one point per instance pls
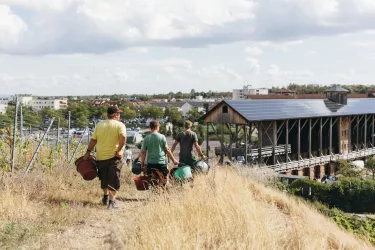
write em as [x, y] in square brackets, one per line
[94, 47]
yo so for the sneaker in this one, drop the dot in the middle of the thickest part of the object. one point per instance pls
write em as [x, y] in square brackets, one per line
[105, 200]
[112, 205]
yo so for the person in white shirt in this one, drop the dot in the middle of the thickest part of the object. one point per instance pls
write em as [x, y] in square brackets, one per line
[128, 155]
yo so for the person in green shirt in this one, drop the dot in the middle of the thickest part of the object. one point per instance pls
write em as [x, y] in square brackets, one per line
[156, 147]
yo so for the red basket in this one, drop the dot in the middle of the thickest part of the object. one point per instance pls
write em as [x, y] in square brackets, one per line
[142, 182]
[87, 168]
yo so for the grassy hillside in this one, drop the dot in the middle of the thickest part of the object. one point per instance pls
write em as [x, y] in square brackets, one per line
[55, 209]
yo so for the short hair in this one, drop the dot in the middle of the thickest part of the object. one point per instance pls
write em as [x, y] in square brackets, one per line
[188, 124]
[154, 124]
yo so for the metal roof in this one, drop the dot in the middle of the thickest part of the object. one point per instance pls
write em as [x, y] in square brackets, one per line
[282, 109]
[337, 89]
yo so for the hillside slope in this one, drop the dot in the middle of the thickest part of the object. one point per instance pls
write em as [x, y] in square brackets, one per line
[57, 210]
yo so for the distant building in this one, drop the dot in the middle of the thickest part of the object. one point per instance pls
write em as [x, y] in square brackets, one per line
[184, 107]
[3, 108]
[24, 99]
[247, 90]
[284, 91]
[55, 104]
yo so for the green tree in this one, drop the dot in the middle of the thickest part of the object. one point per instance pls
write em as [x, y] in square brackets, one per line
[174, 115]
[151, 111]
[347, 169]
[370, 165]
[129, 113]
[193, 115]
[192, 93]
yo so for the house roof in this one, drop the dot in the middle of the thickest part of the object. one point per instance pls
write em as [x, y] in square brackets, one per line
[166, 104]
[283, 109]
[337, 89]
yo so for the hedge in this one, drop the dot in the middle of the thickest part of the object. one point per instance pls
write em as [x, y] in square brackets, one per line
[349, 195]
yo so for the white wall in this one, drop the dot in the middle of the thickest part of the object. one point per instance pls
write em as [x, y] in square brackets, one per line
[185, 109]
[3, 108]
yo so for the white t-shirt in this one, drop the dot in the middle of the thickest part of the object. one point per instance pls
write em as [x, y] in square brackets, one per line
[128, 154]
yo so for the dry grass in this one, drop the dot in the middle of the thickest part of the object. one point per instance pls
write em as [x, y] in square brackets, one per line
[227, 211]
[224, 210]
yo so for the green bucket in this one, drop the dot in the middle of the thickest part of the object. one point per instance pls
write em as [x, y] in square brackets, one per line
[183, 172]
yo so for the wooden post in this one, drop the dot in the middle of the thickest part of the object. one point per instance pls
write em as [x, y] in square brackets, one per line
[310, 130]
[245, 131]
[299, 140]
[357, 143]
[274, 142]
[236, 136]
[330, 135]
[349, 133]
[365, 133]
[250, 140]
[340, 134]
[286, 140]
[321, 137]
[207, 142]
[260, 142]
[222, 140]
[372, 131]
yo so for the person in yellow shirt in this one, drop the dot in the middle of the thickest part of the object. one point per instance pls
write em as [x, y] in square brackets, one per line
[109, 138]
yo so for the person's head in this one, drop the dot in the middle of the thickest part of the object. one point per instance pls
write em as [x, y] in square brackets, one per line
[154, 125]
[113, 112]
[188, 124]
[127, 147]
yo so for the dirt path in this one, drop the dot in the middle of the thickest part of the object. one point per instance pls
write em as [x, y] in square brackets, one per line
[99, 230]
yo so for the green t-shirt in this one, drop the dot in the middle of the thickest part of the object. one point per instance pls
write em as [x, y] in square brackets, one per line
[155, 144]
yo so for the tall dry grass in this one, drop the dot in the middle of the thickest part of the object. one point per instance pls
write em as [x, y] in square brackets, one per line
[228, 211]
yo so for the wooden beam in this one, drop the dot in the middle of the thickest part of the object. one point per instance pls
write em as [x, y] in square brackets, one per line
[330, 135]
[310, 130]
[286, 140]
[357, 142]
[236, 136]
[207, 143]
[245, 131]
[372, 131]
[260, 138]
[299, 140]
[365, 133]
[321, 137]
[274, 142]
[340, 134]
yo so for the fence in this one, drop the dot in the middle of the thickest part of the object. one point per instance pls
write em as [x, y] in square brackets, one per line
[54, 137]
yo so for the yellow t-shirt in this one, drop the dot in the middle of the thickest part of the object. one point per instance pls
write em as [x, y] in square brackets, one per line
[107, 134]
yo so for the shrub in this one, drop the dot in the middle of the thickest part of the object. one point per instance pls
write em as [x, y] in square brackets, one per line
[350, 195]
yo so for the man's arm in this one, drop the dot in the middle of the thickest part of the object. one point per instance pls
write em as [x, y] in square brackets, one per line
[170, 155]
[121, 144]
[143, 157]
[199, 150]
[174, 146]
[90, 148]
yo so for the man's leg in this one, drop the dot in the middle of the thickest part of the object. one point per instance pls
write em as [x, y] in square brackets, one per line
[114, 181]
[102, 173]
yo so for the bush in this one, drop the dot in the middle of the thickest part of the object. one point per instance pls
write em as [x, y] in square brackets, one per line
[350, 195]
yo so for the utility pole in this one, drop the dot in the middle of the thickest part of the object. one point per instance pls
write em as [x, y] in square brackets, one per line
[68, 140]
[14, 134]
[21, 123]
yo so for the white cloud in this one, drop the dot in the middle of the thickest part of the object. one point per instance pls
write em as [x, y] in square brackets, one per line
[97, 26]
[283, 46]
[141, 50]
[274, 72]
[253, 51]
[11, 28]
[254, 65]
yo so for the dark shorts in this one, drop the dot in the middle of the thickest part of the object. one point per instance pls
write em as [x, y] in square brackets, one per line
[190, 161]
[161, 167]
[109, 173]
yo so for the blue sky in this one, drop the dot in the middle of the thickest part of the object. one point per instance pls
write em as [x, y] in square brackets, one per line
[78, 47]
